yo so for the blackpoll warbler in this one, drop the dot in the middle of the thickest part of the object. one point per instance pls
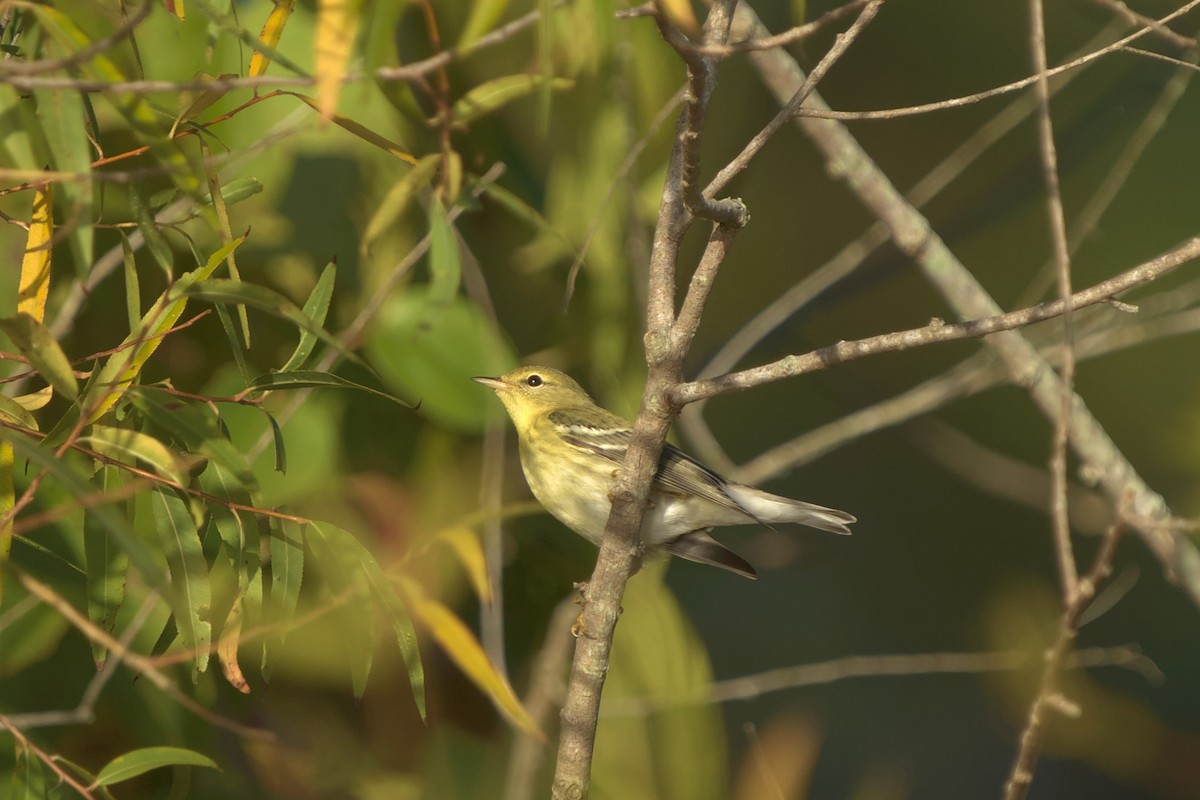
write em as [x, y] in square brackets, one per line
[572, 449]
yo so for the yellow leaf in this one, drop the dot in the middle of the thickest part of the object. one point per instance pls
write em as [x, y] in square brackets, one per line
[227, 649]
[272, 31]
[465, 544]
[35, 266]
[362, 132]
[337, 23]
[464, 649]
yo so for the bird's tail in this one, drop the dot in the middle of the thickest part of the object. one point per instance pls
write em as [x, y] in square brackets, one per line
[768, 508]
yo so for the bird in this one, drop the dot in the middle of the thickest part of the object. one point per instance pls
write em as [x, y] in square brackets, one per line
[571, 452]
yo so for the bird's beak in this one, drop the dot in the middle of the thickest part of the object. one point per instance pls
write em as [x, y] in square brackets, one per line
[495, 384]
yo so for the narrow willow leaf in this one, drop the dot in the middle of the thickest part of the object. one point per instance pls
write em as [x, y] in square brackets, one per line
[235, 340]
[107, 565]
[272, 30]
[218, 202]
[133, 289]
[138, 762]
[191, 592]
[337, 25]
[398, 197]
[62, 114]
[315, 309]
[152, 235]
[287, 573]
[128, 445]
[495, 94]
[464, 649]
[198, 428]
[359, 559]
[227, 649]
[31, 778]
[113, 522]
[37, 344]
[123, 366]
[15, 412]
[35, 399]
[306, 379]
[280, 443]
[361, 131]
[133, 106]
[339, 558]
[34, 284]
[527, 213]
[192, 102]
[445, 259]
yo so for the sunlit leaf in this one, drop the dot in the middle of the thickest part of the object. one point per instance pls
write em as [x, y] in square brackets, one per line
[138, 762]
[107, 565]
[499, 92]
[456, 639]
[192, 102]
[398, 197]
[272, 30]
[337, 24]
[124, 365]
[681, 15]
[35, 399]
[192, 593]
[197, 427]
[35, 266]
[15, 412]
[37, 344]
[227, 649]
[315, 309]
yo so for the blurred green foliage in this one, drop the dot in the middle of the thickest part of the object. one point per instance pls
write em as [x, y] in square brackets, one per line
[428, 232]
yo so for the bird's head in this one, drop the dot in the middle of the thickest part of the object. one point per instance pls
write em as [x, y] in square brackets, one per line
[528, 392]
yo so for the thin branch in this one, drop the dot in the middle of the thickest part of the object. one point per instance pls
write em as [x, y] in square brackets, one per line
[957, 102]
[1162, 31]
[886, 666]
[12, 66]
[1048, 696]
[1062, 259]
[32, 749]
[935, 331]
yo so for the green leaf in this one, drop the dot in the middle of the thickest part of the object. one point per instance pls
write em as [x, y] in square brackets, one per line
[36, 343]
[315, 309]
[156, 243]
[64, 471]
[107, 565]
[287, 573]
[138, 762]
[360, 558]
[195, 426]
[339, 558]
[398, 197]
[14, 412]
[134, 445]
[192, 593]
[133, 291]
[123, 366]
[304, 379]
[445, 260]
[62, 115]
[484, 15]
[431, 358]
[497, 93]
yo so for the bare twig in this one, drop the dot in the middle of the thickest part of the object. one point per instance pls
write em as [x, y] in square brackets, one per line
[1160, 30]
[33, 750]
[936, 331]
[1048, 694]
[1062, 260]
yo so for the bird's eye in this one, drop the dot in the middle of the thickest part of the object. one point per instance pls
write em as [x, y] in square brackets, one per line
[534, 380]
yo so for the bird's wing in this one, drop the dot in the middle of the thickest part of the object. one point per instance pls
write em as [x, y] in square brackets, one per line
[608, 436]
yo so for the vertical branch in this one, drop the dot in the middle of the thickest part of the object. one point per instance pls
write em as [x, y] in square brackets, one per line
[665, 349]
[1049, 698]
[1062, 261]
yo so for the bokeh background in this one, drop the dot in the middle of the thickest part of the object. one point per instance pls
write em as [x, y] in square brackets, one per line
[941, 561]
